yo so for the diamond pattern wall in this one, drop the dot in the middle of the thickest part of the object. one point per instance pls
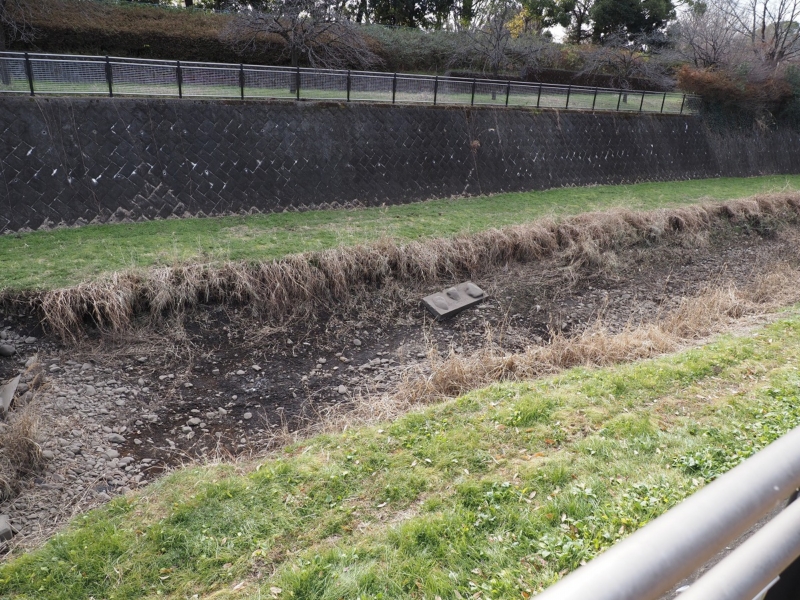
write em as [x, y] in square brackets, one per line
[76, 161]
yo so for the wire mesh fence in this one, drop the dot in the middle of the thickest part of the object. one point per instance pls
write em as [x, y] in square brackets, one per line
[51, 74]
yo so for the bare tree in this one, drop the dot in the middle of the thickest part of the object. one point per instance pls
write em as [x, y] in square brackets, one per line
[488, 45]
[313, 31]
[625, 61]
[707, 37]
[770, 26]
[493, 46]
[16, 21]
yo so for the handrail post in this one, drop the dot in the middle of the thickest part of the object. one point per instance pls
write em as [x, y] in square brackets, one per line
[619, 100]
[641, 104]
[348, 85]
[394, 88]
[539, 96]
[241, 81]
[594, 100]
[472, 101]
[508, 91]
[569, 90]
[297, 82]
[680, 113]
[663, 101]
[435, 89]
[179, 75]
[29, 72]
[109, 78]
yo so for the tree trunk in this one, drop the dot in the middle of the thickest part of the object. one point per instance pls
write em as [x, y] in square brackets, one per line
[189, 3]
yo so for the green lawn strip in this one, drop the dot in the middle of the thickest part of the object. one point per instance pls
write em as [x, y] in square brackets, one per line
[67, 256]
[499, 492]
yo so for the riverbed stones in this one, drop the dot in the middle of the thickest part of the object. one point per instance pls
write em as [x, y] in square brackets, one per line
[7, 350]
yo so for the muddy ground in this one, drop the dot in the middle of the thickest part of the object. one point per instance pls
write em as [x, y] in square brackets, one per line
[116, 410]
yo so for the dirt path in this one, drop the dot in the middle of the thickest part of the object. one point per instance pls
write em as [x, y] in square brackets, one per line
[115, 411]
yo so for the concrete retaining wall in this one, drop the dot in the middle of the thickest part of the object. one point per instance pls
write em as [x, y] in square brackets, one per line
[77, 161]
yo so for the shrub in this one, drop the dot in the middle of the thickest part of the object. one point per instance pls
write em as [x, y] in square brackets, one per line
[748, 92]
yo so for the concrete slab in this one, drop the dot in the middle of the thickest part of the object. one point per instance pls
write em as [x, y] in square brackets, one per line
[450, 302]
[7, 395]
[6, 532]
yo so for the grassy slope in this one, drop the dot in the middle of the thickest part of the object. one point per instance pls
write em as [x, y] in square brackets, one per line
[493, 495]
[68, 256]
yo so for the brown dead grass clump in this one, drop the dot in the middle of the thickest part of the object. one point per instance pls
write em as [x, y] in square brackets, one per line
[20, 453]
[584, 241]
[694, 319]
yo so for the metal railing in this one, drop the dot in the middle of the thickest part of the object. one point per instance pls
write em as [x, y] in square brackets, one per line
[652, 560]
[56, 74]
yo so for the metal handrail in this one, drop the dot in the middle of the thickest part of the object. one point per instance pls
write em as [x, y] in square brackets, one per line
[651, 561]
[754, 565]
[502, 92]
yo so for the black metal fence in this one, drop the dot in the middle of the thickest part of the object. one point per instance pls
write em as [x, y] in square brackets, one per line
[54, 74]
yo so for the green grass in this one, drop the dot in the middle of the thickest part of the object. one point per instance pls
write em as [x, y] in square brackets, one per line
[68, 256]
[494, 495]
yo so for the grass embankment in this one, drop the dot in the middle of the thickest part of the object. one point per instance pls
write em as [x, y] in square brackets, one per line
[493, 495]
[68, 256]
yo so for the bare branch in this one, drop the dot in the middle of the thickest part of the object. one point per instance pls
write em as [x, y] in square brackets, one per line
[308, 30]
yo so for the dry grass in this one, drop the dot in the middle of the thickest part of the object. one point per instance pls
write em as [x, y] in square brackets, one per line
[695, 318]
[20, 453]
[308, 280]
[716, 309]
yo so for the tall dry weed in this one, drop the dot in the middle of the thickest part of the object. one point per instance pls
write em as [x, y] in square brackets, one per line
[586, 241]
[20, 453]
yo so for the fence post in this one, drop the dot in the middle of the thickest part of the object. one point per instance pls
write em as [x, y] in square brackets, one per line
[241, 80]
[29, 72]
[179, 74]
[435, 89]
[348, 85]
[539, 96]
[508, 91]
[569, 90]
[682, 101]
[472, 102]
[109, 78]
[663, 101]
[297, 82]
[641, 104]
[619, 100]
[594, 100]
[394, 87]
